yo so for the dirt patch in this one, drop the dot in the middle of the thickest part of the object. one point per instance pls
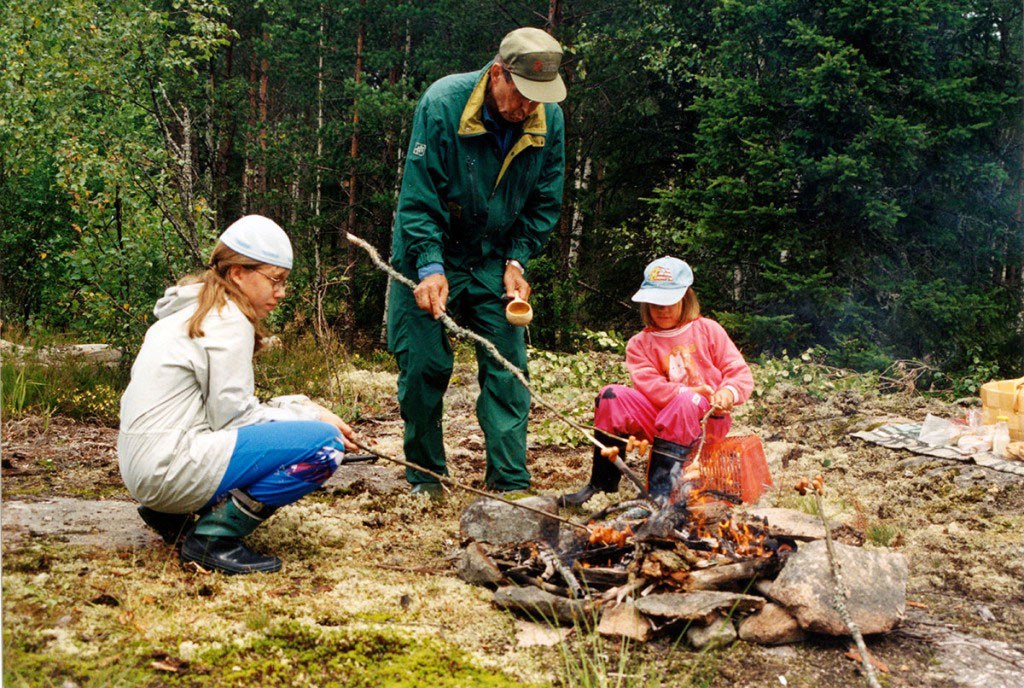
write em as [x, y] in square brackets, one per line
[47, 457]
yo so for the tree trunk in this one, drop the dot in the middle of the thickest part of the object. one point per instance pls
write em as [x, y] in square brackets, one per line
[225, 146]
[350, 224]
[247, 170]
[262, 169]
[399, 167]
[319, 319]
[581, 184]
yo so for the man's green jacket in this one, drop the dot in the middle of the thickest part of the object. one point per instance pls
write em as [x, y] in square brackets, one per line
[461, 204]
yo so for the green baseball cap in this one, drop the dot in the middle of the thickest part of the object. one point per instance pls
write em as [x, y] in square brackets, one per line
[533, 57]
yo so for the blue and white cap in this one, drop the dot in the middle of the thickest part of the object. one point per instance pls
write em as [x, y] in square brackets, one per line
[259, 238]
[665, 282]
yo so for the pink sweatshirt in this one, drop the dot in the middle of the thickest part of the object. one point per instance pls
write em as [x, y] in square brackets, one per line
[664, 363]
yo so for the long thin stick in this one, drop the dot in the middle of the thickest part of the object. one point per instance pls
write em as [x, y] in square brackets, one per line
[839, 593]
[468, 334]
[462, 486]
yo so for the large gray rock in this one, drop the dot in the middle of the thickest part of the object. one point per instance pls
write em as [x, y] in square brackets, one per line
[876, 581]
[542, 607]
[701, 605]
[773, 625]
[110, 524]
[477, 568]
[488, 520]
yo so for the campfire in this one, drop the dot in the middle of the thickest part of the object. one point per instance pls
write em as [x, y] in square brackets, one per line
[699, 563]
[699, 545]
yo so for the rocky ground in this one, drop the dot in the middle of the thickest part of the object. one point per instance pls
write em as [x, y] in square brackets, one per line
[368, 595]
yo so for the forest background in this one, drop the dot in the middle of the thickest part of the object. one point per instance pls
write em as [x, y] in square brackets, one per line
[844, 174]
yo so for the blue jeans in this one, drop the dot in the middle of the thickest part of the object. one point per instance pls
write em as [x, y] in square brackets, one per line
[279, 463]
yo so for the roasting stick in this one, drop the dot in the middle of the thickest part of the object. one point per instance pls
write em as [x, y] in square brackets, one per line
[462, 486]
[505, 363]
[645, 448]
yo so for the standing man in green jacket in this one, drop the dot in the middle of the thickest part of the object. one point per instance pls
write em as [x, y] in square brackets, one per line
[481, 192]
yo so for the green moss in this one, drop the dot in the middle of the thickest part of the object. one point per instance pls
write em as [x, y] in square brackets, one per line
[295, 654]
[28, 664]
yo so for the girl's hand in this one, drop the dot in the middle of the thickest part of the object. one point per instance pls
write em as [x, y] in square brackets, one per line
[347, 433]
[704, 391]
[723, 400]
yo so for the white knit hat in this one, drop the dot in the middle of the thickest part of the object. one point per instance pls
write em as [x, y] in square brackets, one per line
[259, 238]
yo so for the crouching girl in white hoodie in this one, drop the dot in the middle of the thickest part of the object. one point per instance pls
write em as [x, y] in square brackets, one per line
[194, 438]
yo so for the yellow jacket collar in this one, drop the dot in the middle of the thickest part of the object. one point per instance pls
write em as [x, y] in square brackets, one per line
[472, 121]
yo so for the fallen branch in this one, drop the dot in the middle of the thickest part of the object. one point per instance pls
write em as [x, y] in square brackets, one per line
[839, 592]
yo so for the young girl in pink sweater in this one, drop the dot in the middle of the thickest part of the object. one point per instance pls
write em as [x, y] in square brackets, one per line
[681, 366]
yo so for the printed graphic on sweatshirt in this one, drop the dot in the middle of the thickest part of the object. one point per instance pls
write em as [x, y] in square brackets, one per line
[680, 366]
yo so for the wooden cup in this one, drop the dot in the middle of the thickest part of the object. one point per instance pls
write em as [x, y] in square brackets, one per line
[519, 312]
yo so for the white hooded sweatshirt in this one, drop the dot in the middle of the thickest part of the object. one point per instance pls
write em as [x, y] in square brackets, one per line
[186, 399]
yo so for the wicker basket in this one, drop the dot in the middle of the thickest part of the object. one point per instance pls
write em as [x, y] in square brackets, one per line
[1004, 398]
[736, 466]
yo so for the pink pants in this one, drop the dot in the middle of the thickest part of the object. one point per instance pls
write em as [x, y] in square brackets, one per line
[623, 411]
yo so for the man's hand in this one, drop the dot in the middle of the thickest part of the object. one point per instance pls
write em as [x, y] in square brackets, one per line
[432, 294]
[347, 433]
[723, 400]
[516, 284]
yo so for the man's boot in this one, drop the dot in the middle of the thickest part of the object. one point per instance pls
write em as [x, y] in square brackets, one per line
[216, 542]
[170, 527]
[604, 476]
[665, 468]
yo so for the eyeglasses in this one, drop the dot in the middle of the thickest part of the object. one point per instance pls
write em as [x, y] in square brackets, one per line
[277, 282]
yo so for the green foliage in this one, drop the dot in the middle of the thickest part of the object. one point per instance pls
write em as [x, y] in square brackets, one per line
[807, 372]
[570, 382]
[882, 534]
[977, 372]
[844, 177]
[840, 164]
[610, 341]
[766, 333]
[62, 385]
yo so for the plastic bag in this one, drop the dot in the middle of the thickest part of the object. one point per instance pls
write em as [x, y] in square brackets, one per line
[976, 440]
[939, 432]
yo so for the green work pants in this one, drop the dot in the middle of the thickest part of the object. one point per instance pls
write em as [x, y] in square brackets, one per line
[424, 354]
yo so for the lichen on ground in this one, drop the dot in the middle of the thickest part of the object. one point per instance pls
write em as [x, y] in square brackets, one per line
[368, 594]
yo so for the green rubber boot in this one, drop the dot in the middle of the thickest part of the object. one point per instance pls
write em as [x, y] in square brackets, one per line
[216, 541]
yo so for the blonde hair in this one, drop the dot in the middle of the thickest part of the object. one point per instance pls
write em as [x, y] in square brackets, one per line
[217, 288]
[691, 310]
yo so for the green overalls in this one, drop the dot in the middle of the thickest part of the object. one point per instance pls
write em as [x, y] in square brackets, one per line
[469, 208]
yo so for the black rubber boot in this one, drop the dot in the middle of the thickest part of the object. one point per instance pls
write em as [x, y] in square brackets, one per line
[216, 542]
[170, 527]
[665, 468]
[604, 476]
[227, 555]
